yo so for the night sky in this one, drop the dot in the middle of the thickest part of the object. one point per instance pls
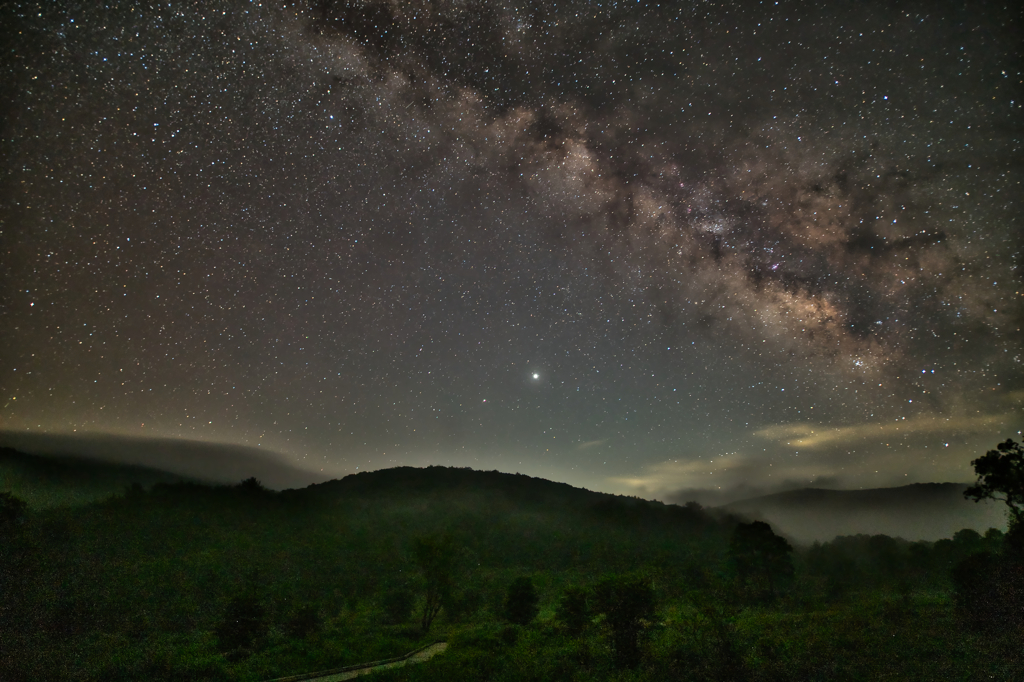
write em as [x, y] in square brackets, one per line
[638, 247]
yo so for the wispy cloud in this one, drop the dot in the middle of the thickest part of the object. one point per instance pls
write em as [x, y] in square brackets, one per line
[816, 435]
[672, 473]
[591, 444]
[712, 473]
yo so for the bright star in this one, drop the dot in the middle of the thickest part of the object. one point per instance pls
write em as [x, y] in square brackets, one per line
[536, 376]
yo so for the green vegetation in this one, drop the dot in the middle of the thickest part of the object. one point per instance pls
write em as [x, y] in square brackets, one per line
[521, 602]
[761, 560]
[435, 557]
[627, 604]
[526, 579]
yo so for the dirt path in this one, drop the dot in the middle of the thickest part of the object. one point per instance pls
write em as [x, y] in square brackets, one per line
[418, 657]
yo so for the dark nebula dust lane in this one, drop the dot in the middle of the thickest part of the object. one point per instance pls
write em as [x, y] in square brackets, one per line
[634, 246]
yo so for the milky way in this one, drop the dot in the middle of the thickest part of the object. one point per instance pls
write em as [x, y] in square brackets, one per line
[643, 248]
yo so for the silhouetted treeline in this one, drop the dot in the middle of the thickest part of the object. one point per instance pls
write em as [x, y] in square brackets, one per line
[864, 561]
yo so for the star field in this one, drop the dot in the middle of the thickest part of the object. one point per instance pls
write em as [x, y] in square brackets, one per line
[642, 248]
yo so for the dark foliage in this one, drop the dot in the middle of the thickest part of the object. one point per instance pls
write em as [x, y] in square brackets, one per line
[509, 635]
[435, 557]
[304, 621]
[976, 584]
[989, 586]
[463, 604]
[521, 601]
[12, 514]
[574, 610]
[761, 560]
[989, 591]
[251, 486]
[243, 625]
[1001, 477]
[398, 605]
[162, 668]
[628, 605]
[838, 568]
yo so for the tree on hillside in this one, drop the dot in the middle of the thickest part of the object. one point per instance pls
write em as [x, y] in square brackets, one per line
[573, 610]
[1001, 477]
[252, 487]
[521, 601]
[761, 559]
[435, 557]
[627, 603]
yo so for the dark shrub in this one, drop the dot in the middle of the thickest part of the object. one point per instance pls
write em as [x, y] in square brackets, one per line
[573, 610]
[989, 591]
[304, 621]
[521, 601]
[245, 622]
[398, 606]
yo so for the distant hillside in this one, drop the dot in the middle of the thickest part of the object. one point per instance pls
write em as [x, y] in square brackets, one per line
[489, 493]
[434, 480]
[923, 511]
[57, 481]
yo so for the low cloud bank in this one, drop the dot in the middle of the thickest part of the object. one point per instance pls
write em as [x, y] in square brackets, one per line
[214, 462]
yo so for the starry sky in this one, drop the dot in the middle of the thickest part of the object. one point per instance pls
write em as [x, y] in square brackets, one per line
[673, 249]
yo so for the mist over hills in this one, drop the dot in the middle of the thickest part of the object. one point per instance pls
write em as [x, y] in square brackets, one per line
[53, 481]
[212, 462]
[88, 470]
[922, 511]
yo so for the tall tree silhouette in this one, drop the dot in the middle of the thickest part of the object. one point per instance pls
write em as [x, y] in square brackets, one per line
[435, 557]
[521, 601]
[988, 588]
[761, 559]
[627, 603]
[1001, 477]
